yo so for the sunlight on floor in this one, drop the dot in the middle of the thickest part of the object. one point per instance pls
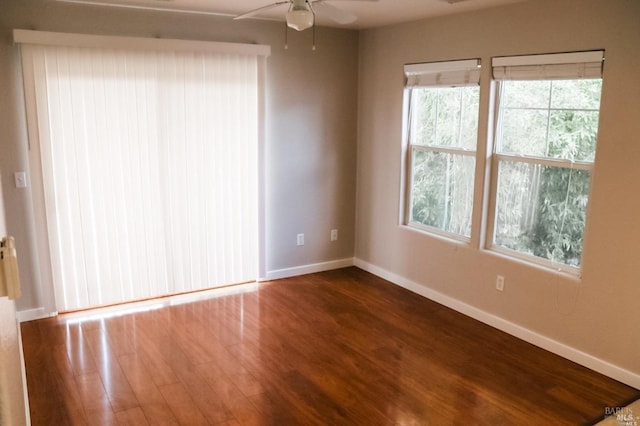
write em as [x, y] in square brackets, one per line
[153, 304]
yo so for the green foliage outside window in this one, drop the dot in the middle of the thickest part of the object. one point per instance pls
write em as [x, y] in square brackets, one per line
[442, 190]
[540, 206]
[442, 182]
[541, 209]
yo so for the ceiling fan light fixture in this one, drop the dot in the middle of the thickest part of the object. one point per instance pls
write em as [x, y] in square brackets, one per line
[300, 19]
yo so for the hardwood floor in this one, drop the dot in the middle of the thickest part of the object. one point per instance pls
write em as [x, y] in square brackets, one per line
[335, 348]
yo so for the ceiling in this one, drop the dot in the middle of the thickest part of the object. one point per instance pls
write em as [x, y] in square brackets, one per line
[370, 13]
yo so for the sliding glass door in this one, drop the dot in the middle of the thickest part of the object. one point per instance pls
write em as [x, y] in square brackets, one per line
[149, 163]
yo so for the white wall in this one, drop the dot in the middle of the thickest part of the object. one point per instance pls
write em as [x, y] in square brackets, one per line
[310, 126]
[597, 317]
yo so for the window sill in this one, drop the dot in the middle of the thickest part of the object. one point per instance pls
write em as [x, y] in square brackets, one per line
[568, 272]
[436, 233]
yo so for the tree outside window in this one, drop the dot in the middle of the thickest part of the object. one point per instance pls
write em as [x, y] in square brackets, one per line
[545, 148]
[443, 137]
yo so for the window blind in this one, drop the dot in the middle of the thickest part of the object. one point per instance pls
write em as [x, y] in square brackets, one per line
[449, 73]
[149, 167]
[561, 66]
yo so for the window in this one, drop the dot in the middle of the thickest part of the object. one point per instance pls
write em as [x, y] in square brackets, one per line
[442, 125]
[545, 144]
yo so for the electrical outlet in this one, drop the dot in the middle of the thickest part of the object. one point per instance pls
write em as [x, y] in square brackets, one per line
[300, 239]
[334, 235]
[500, 283]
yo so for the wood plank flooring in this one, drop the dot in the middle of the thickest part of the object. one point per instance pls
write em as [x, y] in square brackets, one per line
[335, 348]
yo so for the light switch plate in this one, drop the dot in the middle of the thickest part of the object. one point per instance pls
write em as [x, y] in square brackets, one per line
[21, 179]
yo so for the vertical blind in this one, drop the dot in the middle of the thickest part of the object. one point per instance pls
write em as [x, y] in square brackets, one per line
[149, 169]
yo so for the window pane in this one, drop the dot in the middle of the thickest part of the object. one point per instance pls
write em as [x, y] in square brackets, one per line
[576, 94]
[574, 122]
[526, 94]
[524, 132]
[555, 119]
[541, 210]
[446, 116]
[442, 191]
[573, 134]
[423, 116]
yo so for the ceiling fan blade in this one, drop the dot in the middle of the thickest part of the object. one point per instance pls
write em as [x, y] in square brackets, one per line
[335, 14]
[260, 9]
[322, 1]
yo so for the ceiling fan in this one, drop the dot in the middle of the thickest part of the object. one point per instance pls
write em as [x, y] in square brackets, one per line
[301, 13]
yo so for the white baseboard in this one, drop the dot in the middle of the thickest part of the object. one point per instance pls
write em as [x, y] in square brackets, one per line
[625, 376]
[308, 269]
[33, 314]
[38, 313]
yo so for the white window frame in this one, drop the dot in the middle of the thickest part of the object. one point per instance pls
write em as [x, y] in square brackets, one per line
[565, 66]
[433, 75]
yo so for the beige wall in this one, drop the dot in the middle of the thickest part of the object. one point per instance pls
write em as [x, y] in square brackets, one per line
[599, 315]
[310, 124]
